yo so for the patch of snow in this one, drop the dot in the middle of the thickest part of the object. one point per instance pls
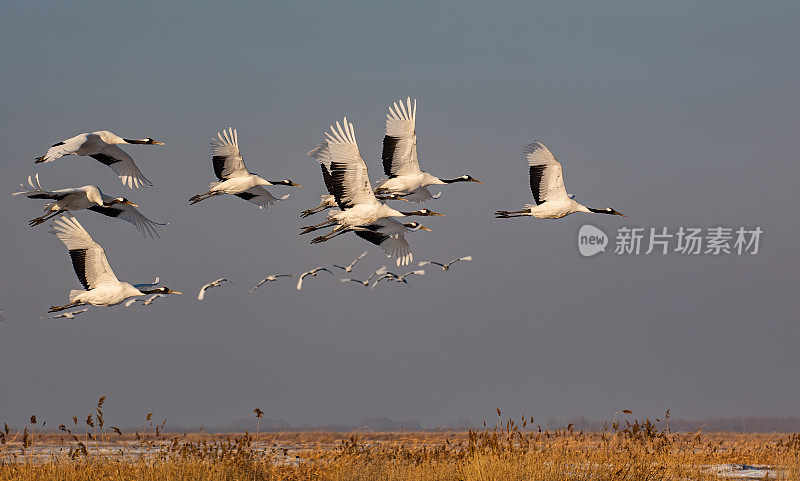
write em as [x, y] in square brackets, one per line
[743, 471]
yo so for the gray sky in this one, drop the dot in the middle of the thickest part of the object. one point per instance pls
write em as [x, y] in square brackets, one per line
[676, 114]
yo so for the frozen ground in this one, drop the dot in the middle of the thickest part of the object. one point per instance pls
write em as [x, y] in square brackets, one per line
[743, 471]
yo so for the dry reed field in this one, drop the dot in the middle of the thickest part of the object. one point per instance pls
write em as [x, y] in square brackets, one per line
[628, 449]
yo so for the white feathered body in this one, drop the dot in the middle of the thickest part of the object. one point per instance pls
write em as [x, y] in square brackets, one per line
[555, 209]
[83, 198]
[75, 198]
[83, 144]
[102, 146]
[237, 185]
[105, 295]
[362, 214]
[408, 183]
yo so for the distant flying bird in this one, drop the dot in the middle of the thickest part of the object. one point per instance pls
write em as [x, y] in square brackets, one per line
[234, 177]
[386, 233]
[102, 146]
[93, 270]
[271, 278]
[365, 283]
[312, 273]
[386, 275]
[87, 197]
[346, 178]
[547, 184]
[402, 277]
[400, 160]
[398, 277]
[71, 314]
[202, 294]
[349, 267]
[446, 267]
[145, 302]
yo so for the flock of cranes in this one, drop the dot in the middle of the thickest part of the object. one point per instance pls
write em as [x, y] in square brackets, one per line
[359, 206]
[382, 274]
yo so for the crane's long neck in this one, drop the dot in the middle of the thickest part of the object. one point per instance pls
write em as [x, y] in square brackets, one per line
[463, 178]
[599, 211]
[431, 179]
[450, 181]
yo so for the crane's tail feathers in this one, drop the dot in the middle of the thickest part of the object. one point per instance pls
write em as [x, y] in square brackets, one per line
[74, 293]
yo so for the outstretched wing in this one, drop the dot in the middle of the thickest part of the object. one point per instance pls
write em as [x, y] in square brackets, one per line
[88, 258]
[34, 190]
[546, 179]
[260, 196]
[65, 147]
[128, 213]
[225, 156]
[386, 235]
[123, 165]
[343, 169]
[400, 142]
[421, 195]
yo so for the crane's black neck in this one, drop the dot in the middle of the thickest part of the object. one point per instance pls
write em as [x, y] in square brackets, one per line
[457, 179]
[159, 290]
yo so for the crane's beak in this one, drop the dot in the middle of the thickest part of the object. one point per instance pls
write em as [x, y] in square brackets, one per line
[292, 184]
[620, 213]
[476, 180]
[436, 213]
[131, 203]
[156, 142]
[176, 292]
[425, 228]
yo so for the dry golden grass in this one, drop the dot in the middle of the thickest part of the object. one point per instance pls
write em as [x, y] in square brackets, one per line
[628, 450]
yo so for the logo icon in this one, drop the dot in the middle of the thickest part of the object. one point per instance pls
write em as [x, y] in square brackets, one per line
[591, 240]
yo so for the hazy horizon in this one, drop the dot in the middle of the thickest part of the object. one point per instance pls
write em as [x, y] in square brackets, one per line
[676, 114]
